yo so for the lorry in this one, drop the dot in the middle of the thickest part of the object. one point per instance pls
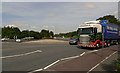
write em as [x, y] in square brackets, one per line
[96, 34]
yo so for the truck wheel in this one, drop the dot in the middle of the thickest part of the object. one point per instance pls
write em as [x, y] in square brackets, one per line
[98, 45]
[117, 43]
[105, 44]
[108, 44]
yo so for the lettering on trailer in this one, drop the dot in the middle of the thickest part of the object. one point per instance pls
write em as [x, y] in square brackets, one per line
[112, 32]
[111, 28]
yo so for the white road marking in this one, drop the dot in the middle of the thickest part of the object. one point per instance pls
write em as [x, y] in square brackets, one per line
[45, 67]
[73, 57]
[56, 62]
[36, 70]
[69, 58]
[101, 62]
[93, 51]
[51, 64]
[21, 54]
[82, 54]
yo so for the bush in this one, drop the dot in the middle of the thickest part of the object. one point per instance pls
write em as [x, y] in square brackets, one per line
[47, 37]
[117, 66]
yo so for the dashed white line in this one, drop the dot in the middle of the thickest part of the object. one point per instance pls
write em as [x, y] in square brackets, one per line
[21, 54]
[101, 62]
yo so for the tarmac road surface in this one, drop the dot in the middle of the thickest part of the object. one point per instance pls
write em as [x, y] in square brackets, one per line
[35, 55]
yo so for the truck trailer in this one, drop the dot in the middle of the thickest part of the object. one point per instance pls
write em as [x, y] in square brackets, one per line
[98, 33]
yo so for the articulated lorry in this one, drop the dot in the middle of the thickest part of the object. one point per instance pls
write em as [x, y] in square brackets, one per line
[98, 33]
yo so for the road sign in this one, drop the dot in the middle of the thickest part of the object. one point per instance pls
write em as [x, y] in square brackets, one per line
[103, 22]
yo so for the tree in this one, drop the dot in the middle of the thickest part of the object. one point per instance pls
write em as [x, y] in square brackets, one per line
[69, 34]
[36, 35]
[45, 33]
[10, 32]
[111, 19]
[51, 34]
[25, 33]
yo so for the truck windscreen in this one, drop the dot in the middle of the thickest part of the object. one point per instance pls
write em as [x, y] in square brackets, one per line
[85, 30]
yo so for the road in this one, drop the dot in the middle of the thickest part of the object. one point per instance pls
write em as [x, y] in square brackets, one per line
[107, 65]
[35, 55]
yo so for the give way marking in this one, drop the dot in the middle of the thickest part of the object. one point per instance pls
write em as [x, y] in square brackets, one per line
[21, 54]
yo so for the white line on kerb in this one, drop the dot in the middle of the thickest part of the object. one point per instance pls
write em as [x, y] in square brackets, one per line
[21, 54]
[101, 62]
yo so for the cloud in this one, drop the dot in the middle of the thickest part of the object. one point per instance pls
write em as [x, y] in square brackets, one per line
[10, 26]
[48, 26]
[51, 14]
[52, 26]
[115, 12]
[45, 26]
[23, 25]
[34, 27]
[60, 0]
[89, 6]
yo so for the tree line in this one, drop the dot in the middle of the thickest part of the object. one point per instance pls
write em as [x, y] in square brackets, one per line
[68, 34]
[13, 32]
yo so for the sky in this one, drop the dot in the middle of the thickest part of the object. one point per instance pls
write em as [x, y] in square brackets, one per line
[58, 17]
[60, 0]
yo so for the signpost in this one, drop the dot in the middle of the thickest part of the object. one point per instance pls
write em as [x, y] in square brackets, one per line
[103, 23]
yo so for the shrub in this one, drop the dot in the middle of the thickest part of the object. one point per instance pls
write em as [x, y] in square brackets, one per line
[117, 66]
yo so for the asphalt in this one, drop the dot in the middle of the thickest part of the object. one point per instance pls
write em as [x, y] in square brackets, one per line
[89, 61]
[50, 53]
[107, 65]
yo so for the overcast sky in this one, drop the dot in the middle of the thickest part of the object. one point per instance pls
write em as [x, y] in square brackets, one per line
[55, 16]
[60, 0]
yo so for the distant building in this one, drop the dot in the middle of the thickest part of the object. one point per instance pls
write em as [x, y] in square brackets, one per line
[28, 38]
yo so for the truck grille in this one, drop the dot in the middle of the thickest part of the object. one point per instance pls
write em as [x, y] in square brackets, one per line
[84, 40]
